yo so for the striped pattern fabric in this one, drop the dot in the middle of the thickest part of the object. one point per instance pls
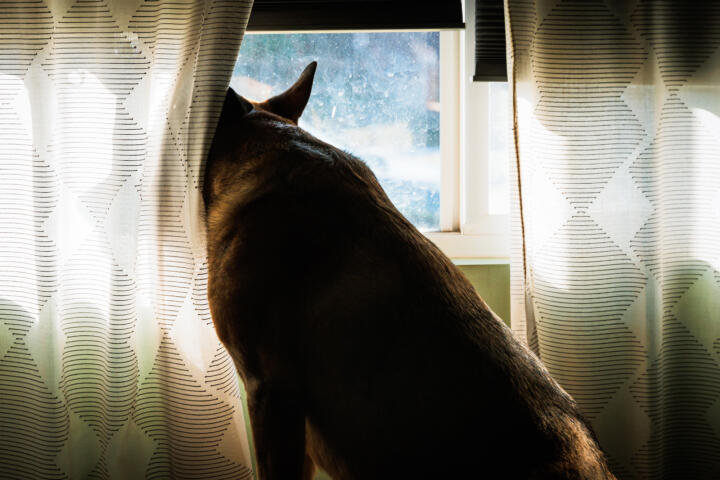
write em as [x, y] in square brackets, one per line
[615, 212]
[109, 364]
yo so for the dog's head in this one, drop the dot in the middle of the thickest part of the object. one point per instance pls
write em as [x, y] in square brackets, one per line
[247, 129]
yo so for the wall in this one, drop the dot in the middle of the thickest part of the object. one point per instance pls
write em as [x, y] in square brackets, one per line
[492, 282]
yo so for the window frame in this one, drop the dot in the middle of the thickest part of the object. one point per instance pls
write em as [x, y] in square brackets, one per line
[469, 233]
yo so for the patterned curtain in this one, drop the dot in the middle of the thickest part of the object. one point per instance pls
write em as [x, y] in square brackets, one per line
[616, 267]
[109, 364]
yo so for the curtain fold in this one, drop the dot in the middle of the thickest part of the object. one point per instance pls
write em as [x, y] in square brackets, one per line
[616, 267]
[109, 363]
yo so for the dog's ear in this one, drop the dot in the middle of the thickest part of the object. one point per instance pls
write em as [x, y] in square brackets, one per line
[235, 106]
[291, 103]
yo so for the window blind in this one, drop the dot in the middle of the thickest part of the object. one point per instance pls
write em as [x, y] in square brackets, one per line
[489, 41]
[294, 15]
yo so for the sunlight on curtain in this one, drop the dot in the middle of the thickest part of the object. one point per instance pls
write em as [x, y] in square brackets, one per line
[109, 363]
[615, 268]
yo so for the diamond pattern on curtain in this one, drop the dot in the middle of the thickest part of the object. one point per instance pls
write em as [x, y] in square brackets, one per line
[109, 363]
[616, 271]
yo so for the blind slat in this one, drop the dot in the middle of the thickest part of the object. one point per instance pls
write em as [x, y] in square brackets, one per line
[289, 15]
[490, 41]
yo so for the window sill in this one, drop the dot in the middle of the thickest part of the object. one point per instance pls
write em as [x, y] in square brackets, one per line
[475, 249]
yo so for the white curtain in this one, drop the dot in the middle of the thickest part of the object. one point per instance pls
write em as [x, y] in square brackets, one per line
[109, 364]
[616, 207]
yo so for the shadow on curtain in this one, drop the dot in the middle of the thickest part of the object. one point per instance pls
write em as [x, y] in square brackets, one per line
[109, 364]
[616, 272]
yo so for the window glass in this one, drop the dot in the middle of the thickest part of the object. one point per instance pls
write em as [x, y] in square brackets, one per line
[499, 199]
[376, 95]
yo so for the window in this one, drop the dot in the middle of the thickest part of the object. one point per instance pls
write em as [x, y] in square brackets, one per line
[375, 95]
[474, 197]
[405, 103]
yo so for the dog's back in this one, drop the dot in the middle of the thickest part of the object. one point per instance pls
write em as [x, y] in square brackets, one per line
[359, 342]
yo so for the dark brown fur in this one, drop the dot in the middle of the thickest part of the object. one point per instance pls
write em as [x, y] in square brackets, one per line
[363, 349]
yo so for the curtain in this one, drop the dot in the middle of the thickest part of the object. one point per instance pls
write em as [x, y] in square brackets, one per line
[616, 216]
[109, 363]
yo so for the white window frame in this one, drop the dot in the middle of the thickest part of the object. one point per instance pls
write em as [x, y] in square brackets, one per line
[469, 233]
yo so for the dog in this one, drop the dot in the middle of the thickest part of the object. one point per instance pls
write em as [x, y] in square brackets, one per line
[363, 349]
